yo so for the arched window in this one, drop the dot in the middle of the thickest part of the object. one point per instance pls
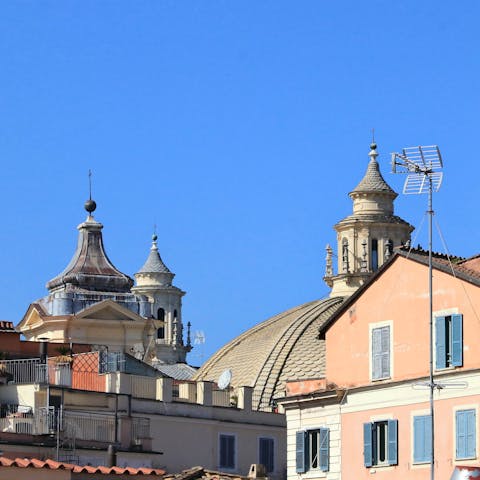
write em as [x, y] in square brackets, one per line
[374, 254]
[175, 314]
[161, 314]
[161, 333]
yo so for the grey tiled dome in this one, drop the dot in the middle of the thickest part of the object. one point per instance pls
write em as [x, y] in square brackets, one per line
[285, 347]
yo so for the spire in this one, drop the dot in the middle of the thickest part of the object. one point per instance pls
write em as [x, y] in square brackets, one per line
[154, 266]
[90, 269]
[373, 181]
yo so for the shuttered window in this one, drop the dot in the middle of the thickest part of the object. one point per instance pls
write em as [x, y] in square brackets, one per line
[266, 453]
[227, 451]
[381, 353]
[380, 443]
[313, 450]
[422, 439]
[465, 428]
[448, 341]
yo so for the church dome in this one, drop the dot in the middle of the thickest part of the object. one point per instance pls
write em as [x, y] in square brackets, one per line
[284, 347]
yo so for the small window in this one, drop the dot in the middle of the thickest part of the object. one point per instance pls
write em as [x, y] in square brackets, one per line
[381, 353]
[227, 451]
[266, 453]
[380, 443]
[448, 341]
[374, 254]
[313, 450]
[161, 314]
[422, 439]
[175, 314]
[161, 333]
[465, 433]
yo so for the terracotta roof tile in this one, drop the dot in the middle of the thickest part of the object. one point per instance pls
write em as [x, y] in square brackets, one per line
[53, 465]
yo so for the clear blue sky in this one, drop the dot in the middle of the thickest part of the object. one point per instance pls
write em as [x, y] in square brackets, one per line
[238, 127]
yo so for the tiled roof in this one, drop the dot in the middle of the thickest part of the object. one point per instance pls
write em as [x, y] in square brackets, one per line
[6, 326]
[154, 263]
[177, 371]
[285, 347]
[373, 180]
[53, 465]
[196, 473]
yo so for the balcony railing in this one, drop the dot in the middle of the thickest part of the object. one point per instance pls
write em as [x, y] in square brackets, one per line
[21, 419]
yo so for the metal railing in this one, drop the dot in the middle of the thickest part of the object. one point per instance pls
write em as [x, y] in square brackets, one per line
[93, 427]
[21, 419]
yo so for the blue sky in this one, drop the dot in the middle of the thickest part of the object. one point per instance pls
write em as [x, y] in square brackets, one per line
[237, 127]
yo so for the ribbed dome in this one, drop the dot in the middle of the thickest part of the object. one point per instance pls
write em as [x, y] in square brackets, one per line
[285, 347]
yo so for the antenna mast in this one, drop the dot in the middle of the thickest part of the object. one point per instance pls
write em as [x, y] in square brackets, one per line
[422, 166]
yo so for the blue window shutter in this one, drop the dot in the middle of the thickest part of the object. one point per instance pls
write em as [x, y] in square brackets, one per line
[466, 442]
[324, 449]
[392, 432]
[418, 439]
[367, 445]
[300, 451]
[385, 352]
[422, 439]
[457, 341]
[440, 347]
[376, 353]
[471, 444]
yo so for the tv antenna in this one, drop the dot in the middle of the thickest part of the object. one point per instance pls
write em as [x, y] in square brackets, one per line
[423, 168]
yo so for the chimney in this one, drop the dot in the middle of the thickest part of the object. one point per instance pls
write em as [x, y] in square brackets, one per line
[43, 349]
[111, 456]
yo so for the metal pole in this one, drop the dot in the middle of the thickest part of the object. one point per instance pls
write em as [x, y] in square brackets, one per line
[430, 296]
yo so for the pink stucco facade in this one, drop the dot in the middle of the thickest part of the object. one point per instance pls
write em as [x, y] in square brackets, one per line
[400, 295]
[399, 299]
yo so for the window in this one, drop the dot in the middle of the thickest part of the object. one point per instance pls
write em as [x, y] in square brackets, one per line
[465, 434]
[227, 451]
[381, 353]
[312, 450]
[422, 439]
[161, 314]
[380, 443]
[374, 254]
[161, 333]
[448, 341]
[265, 453]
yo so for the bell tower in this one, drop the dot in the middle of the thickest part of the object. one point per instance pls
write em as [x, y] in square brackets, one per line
[154, 280]
[365, 239]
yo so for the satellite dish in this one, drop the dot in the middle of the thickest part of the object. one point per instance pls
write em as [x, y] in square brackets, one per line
[224, 379]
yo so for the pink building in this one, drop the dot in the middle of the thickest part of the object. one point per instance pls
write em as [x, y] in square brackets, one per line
[372, 416]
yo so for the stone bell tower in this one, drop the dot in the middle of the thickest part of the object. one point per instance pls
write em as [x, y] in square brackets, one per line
[154, 280]
[365, 239]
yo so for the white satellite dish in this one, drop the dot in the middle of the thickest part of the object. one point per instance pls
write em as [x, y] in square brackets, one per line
[224, 379]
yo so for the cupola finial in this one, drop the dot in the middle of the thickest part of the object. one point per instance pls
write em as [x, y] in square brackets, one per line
[90, 204]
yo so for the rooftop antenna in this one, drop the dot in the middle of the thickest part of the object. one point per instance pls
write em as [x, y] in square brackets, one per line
[423, 168]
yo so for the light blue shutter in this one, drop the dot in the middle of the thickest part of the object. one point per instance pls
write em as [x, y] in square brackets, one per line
[440, 347]
[457, 341]
[392, 432]
[324, 449]
[470, 436]
[376, 353]
[367, 445]
[300, 451]
[418, 439]
[385, 352]
[422, 441]
[460, 449]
